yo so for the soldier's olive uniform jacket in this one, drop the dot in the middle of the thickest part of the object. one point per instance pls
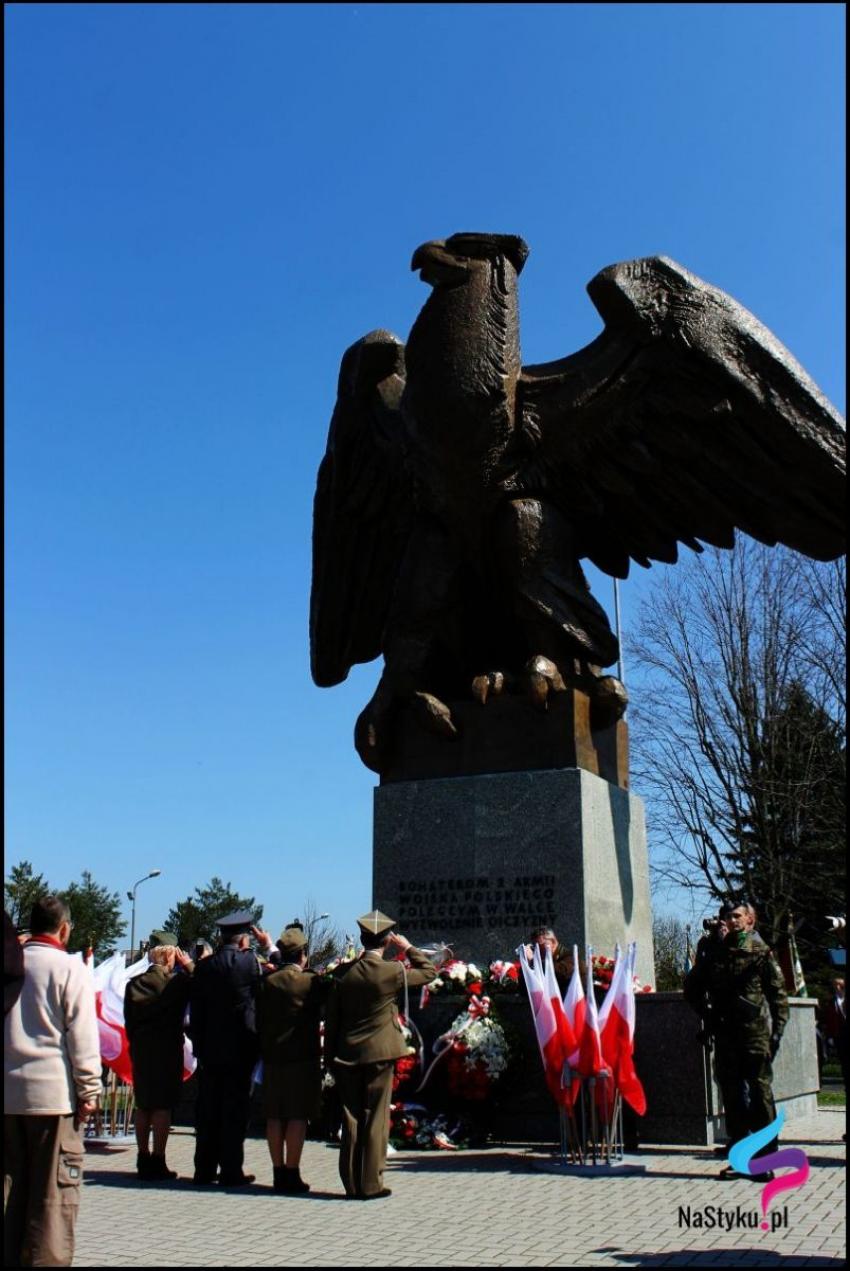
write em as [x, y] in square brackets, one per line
[362, 1024]
[154, 1006]
[289, 1006]
[732, 984]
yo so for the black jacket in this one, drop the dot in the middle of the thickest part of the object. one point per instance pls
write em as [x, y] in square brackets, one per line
[223, 1019]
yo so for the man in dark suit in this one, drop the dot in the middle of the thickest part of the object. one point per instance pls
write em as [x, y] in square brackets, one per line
[223, 1029]
[363, 1040]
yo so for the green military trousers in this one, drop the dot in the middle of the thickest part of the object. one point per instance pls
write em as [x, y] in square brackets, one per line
[365, 1091]
[744, 1075]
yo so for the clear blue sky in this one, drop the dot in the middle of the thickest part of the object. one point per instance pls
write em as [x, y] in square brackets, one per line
[206, 204]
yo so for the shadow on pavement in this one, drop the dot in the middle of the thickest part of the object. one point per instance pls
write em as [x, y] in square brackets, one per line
[129, 1182]
[714, 1258]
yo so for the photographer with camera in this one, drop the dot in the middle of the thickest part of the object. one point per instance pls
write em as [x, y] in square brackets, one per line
[738, 990]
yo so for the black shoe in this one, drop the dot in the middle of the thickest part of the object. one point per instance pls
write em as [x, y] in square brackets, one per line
[241, 1180]
[385, 1191]
[767, 1177]
[159, 1171]
[204, 1180]
[293, 1182]
[279, 1179]
[143, 1166]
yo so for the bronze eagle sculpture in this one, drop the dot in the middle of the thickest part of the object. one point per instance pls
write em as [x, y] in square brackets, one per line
[460, 490]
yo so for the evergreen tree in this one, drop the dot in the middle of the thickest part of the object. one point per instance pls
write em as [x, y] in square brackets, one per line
[20, 891]
[95, 915]
[195, 917]
[791, 859]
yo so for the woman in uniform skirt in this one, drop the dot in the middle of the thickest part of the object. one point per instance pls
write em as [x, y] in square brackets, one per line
[154, 1009]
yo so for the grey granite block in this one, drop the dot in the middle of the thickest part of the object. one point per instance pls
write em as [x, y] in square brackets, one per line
[478, 861]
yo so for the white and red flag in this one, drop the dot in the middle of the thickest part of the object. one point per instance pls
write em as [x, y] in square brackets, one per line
[110, 980]
[590, 1062]
[549, 1036]
[618, 1032]
[575, 1006]
[569, 1041]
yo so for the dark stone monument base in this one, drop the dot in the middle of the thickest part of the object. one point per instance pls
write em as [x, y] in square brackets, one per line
[683, 1100]
[480, 861]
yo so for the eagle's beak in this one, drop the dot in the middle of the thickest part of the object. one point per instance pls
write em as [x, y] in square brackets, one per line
[424, 254]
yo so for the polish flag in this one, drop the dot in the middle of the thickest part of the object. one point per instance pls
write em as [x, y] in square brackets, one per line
[549, 1037]
[569, 1041]
[618, 1032]
[590, 1062]
[110, 980]
[575, 1007]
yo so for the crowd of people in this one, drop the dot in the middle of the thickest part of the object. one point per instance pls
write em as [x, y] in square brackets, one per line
[236, 1008]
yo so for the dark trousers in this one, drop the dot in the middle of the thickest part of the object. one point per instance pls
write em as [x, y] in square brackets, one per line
[365, 1091]
[221, 1120]
[745, 1080]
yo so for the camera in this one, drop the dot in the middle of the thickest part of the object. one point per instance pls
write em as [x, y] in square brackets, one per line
[710, 925]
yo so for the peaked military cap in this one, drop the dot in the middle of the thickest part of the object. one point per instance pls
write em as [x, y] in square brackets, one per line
[376, 923]
[237, 922]
[162, 937]
[292, 938]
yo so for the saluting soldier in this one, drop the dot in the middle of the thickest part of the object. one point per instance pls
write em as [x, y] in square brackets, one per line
[288, 1016]
[364, 1039]
[739, 990]
[154, 1007]
[223, 1029]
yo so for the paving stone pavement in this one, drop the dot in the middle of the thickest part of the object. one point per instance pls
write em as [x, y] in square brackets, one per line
[497, 1207]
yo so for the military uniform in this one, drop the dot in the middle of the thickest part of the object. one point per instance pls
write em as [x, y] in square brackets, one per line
[288, 1017]
[223, 1029]
[364, 1039]
[154, 1006]
[739, 990]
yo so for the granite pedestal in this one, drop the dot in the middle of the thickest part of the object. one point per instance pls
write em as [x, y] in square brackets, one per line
[478, 861]
[684, 1104]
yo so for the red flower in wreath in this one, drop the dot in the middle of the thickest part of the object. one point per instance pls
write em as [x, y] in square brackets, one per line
[404, 1069]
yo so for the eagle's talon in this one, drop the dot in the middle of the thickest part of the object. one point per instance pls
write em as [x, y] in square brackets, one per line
[542, 678]
[491, 684]
[434, 714]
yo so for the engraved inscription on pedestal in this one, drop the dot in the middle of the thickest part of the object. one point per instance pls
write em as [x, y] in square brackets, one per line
[521, 901]
[480, 861]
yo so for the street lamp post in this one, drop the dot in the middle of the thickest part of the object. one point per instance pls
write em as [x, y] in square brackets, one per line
[131, 895]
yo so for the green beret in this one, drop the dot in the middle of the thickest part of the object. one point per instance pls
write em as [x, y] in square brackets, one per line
[162, 937]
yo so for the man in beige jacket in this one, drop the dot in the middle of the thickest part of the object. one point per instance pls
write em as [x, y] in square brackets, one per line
[50, 1085]
[364, 1039]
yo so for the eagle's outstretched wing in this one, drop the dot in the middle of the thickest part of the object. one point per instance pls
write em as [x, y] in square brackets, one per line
[684, 420]
[362, 510]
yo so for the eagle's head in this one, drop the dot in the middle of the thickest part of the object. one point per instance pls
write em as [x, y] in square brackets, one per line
[448, 262]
